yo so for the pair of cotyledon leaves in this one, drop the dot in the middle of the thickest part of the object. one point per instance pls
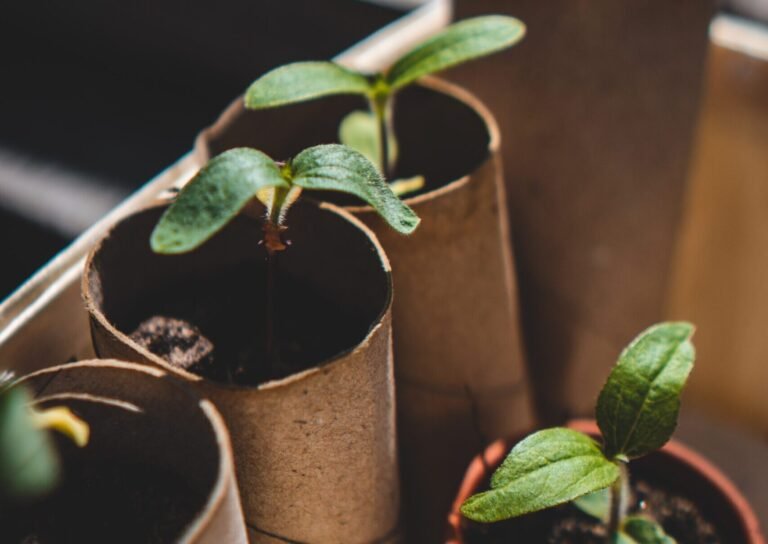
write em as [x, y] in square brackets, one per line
[229, 181]
[636, 412]
[301, 81]
[460, 42]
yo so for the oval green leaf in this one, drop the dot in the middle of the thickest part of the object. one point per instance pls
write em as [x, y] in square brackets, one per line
[360, 131]
[29, 466]
[335, 167]
[550, 467]
[596, 504]
[213, 197]
[460, 42]
[641, 530]
[301, 81]
[638, 405]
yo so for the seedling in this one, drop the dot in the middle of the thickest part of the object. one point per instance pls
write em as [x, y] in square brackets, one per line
[636, 412]
[29, 465]
[372, 132]
[233, 179]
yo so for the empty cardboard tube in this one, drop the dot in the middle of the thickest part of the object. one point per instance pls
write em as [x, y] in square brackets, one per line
[459, 362]
[315, 451]
[140, 415]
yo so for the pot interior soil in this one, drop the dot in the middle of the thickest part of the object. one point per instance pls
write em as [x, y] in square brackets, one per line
[205, 311]
[439, 136]
[126, 486]
[664, 487]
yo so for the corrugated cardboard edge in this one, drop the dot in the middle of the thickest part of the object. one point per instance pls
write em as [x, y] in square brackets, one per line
[371, 357]
[221, 520]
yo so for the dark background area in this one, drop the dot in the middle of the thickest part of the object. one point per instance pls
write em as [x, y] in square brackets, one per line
[116, 91]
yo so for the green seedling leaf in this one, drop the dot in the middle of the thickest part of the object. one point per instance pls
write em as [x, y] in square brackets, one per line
[596, 504]
[640, 530]
[301, 81]
[638, 406]
[213, 197]
[460, 42]
[360, 131]
[550, 467]
[336, 167]
[29, 466]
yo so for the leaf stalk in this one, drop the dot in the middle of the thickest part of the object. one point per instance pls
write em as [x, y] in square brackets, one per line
[619, 502]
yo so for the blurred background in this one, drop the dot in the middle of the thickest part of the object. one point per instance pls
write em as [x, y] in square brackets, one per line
[635, 140]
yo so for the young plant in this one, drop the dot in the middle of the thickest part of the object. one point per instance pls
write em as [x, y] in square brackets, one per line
[233, 179]
[636, 412]
[372, 132]
[29, 466]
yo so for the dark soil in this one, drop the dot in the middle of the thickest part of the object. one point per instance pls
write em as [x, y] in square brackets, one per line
[178, 342]
[567, 525]
[99, 504]
[218, 330]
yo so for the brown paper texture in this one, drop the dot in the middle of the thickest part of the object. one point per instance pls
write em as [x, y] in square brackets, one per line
[178, 432]
[459, 361]
[597, 108]
[315, 452]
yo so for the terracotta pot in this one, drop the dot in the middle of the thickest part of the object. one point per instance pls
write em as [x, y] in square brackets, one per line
[315, 451]
[458, 354]
[721, 502]
[142, 417]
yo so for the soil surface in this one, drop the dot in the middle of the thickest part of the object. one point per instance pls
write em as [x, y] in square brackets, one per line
[567, 525]
[218, 330]
[116, 504]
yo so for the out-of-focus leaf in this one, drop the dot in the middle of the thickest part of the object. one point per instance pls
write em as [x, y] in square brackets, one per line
[460, 42]
[302, 81]
[29, 466]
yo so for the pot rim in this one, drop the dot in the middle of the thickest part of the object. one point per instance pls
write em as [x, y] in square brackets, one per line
[498, 449]
[95, 312]
[433, 83]
[226, 469]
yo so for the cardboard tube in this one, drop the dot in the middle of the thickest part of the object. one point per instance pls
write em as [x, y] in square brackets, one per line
[315, 451]
[141, 415]
[461, 377]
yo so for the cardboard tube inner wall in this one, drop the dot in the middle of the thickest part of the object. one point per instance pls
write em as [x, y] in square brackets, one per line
[142, 416]
[458, 354]
[315, 451]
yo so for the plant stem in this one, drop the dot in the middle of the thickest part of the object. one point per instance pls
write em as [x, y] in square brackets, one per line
[273, 245]
[381, 104]
[619, 502]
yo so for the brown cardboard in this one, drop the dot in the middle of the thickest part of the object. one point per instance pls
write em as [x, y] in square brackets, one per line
[455, 313]
[719, 280]
[176, 430]
[315, 452]
[597, 106]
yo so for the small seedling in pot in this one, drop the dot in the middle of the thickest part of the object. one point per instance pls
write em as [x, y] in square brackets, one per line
[29, 465]
[232, 180]
[636, 412]
[372, 132]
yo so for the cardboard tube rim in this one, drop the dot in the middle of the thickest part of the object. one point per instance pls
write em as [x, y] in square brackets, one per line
[433, 83]
[95, 313]
[225, 471]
